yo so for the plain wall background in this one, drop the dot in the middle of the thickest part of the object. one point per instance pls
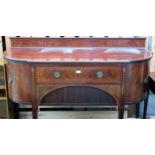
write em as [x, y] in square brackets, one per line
[0, 44]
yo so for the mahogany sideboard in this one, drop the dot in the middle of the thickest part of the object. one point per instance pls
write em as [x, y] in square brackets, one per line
[77, 71]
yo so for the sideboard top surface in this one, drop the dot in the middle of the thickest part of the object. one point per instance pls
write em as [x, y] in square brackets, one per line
[78, 50]
[78, 54]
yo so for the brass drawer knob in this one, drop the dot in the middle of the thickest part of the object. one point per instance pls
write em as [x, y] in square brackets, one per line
[78, 71]
[99, 74]
[57, 74]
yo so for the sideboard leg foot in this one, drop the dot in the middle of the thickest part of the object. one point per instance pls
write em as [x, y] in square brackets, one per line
[35, 112]
[145, 105]
[137, 110]
[147, 84]
[16, 110]
[121, 112]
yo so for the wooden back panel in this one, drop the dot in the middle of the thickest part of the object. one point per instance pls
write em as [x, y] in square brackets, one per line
[77, 42]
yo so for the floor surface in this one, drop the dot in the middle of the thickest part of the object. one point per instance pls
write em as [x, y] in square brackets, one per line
[90, 114]
[151, 106]
[74, 115]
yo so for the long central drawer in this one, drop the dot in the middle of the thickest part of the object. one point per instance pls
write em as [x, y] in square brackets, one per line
[79, 74]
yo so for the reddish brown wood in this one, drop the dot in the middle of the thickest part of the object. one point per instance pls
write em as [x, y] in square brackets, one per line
[32, 63]
[135, 77]
[19, 82]
[80, 74]
[77, 42]
[78, 54]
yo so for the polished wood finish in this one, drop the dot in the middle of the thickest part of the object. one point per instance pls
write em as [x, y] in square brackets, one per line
[77, 71]
[78, 54]
[78, 74]
[77, 42]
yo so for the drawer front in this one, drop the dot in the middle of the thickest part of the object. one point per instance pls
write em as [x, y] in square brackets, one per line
[55, 75]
